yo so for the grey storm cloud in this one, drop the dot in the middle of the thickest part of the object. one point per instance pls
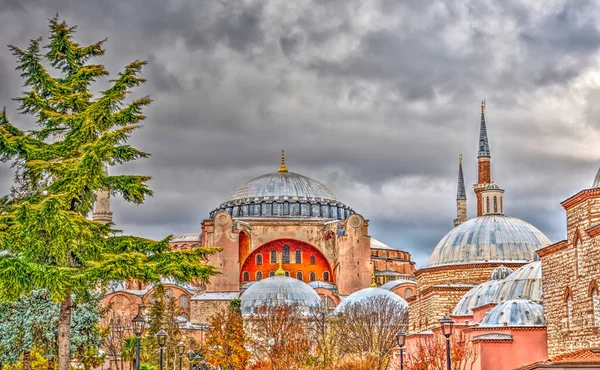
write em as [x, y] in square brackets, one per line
[375, 99]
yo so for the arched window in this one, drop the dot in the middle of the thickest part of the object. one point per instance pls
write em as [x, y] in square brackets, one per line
[287, 273]
[271, 273]
[258, 275]
[487, 204]
[285, 255]
[299, 275]
[169, 293]
[326, 276]
[246, 276]
[184, 301]
[298, 256]
[273, 256]
[259, 259]
[313, 260]
[313, 276]
[596, 307]
[408, 292]
[495, 204]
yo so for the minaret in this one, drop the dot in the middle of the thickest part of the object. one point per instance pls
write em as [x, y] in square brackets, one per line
[483, 159]
[461, 196]
[102, 211]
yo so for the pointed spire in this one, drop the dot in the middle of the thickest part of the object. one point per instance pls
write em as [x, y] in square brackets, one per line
[282, 168]
[461, 193]
[280, 271]
[484, 146]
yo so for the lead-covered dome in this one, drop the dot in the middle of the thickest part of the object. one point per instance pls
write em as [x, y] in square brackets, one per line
[279, 290]
[367, 294]
[525, 282]
[284, 195]
[516, 312]
[490, 238]
[480, 295]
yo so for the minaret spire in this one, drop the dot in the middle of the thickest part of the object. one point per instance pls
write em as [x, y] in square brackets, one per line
[483, 161]
[282, 168]
[102, 211]
[461, 196]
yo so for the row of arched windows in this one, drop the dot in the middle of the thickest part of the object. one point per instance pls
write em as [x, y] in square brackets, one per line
[299, 275]
[497, 208]
[594, 301]
[285, 257]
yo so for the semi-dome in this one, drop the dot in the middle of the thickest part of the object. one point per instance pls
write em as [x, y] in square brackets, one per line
[368, 294]
[515, 312]
[284, 194]
[489, 238]
[525, 282]
[500, 272]
[279, 290]
[480, 295]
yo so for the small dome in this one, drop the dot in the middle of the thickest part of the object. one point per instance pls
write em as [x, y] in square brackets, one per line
[394, 283]
[515, 312]
[525, 282]
[492, 186]
[480, 295]
[284, 195]
[367, 294]
[489, 238]
[279, 290]
[500, 272]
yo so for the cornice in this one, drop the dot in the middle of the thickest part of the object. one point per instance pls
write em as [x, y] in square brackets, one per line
[552, 248]
[593, 231]
[580, 197]
[469, 266]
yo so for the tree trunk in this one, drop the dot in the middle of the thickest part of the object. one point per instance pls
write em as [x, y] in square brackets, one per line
[64, 334]
[26, 360]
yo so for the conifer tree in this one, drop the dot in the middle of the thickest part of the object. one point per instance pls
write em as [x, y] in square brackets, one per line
[46, 238]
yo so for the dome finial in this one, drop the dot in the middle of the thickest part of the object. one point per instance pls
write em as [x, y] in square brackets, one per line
[373, 283]
[283, 168]
[280, 271]
[483, 106]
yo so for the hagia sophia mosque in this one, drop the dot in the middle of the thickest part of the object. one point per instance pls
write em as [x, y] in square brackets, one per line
[523, 301]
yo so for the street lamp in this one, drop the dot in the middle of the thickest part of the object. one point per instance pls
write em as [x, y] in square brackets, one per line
[161, 337]
[199, 361]
[447, 324]
[139, 324]
[180, 351]
[190, 356]
[401, 340]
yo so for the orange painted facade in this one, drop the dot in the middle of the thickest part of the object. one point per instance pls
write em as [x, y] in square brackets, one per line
[300, 260]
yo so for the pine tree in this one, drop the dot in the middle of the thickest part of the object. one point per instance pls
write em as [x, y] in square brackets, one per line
[47, 239]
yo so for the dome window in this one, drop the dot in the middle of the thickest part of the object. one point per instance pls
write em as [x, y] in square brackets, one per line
[408, 292]
[495, 204]
[299, 275]
[285, 255]
[298, 256]
[246, 276]
[271, 273]
[313, 260]
[273, 256]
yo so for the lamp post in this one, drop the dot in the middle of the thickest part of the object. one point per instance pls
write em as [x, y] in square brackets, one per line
[161, 337]
[190, 356]
[447, 324]
[401, 340]
[180, 351]
[139, 324]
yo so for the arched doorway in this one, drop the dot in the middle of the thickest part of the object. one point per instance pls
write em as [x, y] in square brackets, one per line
[300, 260]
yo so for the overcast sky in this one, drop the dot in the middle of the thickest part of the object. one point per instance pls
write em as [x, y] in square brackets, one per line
[375, 99]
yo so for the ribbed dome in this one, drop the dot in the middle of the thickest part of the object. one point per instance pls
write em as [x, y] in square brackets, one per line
[284, 194]
[367, 294]
[516, 312]
[596, 183]
[525, 282]
[478, 296]
[500, 272]
[490, 238]
[279, 290]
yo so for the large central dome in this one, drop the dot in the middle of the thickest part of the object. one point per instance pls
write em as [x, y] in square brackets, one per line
[490, 238]
[284, 194]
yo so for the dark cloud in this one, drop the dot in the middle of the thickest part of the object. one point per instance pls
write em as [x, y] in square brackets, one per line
[375, 99]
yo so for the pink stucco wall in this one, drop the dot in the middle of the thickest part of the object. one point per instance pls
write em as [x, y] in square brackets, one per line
[527, 346]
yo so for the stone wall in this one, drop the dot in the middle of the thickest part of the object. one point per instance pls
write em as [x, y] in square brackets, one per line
[571, 268]
[425, 310]
[202, 311]
[471, 274]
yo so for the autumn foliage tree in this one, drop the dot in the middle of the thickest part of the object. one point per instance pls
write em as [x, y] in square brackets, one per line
[226, 339]
[48, 242]
[429, 353]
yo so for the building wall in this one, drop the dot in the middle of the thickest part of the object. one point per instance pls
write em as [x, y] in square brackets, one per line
[220, 233]
[353, 269]
[527, 345]
[471, 274]
[425, 310]
[202, 311]
[570, 272]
